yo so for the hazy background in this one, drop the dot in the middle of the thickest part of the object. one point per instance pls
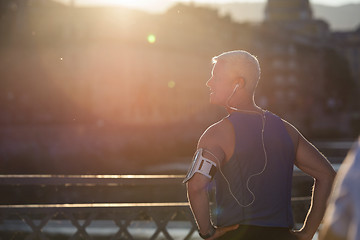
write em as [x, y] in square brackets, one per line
[340, 14]
[111, 90]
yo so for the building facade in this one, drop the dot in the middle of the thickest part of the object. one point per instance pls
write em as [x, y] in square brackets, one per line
[99, 61]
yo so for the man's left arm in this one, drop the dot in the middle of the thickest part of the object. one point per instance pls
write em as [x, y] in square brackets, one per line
[312, 162]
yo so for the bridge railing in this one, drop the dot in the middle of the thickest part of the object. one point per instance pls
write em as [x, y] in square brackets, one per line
[117, 206]
[164, 217]
[98, 221]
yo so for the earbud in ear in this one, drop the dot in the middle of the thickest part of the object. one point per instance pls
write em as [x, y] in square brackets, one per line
[236, 87]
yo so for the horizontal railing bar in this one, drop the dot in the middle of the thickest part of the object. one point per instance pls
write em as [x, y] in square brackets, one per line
[300, 199]
[96, 205]
[114, 180]
[117, 180]
[298, 172]
[115, 205]
[92, 176]
[334, 145]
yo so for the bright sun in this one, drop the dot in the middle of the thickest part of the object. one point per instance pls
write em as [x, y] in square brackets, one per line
[127, 3]
[147, 5]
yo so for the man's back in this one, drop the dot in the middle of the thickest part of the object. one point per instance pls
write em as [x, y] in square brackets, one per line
[259, 173]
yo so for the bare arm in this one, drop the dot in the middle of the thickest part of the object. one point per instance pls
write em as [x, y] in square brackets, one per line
[312, 162]
[199, 201]
[197, 186]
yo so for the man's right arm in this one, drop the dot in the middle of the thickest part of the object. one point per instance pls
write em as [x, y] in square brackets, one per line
[197, 186]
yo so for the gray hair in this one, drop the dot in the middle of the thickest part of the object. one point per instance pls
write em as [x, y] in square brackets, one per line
[242, 64]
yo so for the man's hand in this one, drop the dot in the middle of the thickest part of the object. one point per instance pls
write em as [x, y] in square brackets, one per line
[222, 230]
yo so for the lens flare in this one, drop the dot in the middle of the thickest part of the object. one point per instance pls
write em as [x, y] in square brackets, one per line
[151, 38]
[171, 84]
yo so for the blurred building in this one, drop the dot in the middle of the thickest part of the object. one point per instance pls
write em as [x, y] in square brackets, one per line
[348, 45]
[296, 16]
[296, 49]
[121, 66]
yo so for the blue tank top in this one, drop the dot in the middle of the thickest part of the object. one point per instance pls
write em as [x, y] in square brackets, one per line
[272, 189]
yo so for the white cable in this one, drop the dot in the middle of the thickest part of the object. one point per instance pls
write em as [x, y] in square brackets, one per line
[263, 118]
[229, 187]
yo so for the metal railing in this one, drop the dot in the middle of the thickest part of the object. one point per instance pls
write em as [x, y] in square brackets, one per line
[124, 220]
[117, 221]
[149, 206]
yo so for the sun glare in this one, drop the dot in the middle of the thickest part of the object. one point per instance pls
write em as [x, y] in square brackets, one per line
[125, 3]
[151, 38]
[144, 4]
[171, 84]
[128, 3]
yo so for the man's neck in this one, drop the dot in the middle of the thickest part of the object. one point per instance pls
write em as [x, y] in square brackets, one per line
[244, 105]
[250, 109]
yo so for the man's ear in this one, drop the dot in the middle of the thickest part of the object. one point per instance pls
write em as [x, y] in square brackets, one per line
[240, 82]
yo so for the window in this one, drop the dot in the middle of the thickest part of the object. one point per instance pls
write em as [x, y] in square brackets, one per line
[292, 64]
[277, 63]
[279, 79]
[292, 79]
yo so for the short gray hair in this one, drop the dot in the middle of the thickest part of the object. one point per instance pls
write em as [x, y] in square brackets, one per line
[242, 64]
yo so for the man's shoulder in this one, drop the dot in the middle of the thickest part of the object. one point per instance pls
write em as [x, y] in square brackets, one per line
[290, 128]
[217, 130]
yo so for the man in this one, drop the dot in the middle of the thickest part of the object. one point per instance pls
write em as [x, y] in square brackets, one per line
[342, 218]
[252, 152]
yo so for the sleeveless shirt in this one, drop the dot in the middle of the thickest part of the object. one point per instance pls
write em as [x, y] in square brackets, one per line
[272, 189]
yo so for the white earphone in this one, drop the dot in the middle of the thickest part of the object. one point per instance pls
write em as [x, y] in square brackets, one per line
[263, 119]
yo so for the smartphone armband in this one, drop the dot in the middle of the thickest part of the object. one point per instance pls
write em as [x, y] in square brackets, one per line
[201, 165]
